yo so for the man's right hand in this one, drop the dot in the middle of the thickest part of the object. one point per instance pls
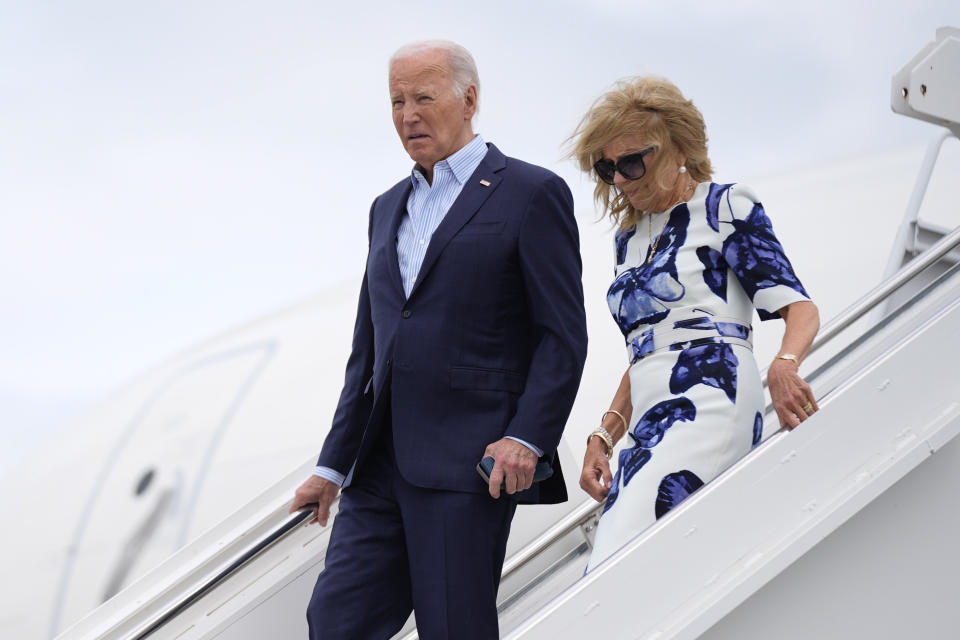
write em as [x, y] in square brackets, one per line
[316, 490]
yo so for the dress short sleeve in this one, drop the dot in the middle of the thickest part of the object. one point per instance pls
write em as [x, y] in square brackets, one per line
[756, 257]
[621, 240]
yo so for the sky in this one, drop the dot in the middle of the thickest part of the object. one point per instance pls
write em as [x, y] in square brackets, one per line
[171, 170]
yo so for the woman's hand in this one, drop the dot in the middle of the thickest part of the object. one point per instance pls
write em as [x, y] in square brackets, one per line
[596, 477]
[792, 397]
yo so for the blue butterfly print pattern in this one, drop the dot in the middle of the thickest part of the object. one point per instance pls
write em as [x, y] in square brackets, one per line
[757, 428]
[687, 344]
[637, 295]
[703, 323]
[622, 238]
[642, 346]
[733, 330]
[713, 364]
[647, 433]
[700, 322]
[714, 270]
[713, 203]
[614, 490]
[674, 488]
[632, 460]
[757, 258]
[649, 430]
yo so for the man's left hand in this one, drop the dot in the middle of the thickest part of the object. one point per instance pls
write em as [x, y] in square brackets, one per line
[514, 464]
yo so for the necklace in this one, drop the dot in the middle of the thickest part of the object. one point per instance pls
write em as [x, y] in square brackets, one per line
[687, 193]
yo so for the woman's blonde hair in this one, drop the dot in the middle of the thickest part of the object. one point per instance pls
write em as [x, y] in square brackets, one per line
[655, 108]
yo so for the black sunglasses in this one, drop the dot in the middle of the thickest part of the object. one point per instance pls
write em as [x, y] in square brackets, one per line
[630, 166]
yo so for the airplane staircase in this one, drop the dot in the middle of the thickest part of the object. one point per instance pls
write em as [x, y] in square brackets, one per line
[890, 406]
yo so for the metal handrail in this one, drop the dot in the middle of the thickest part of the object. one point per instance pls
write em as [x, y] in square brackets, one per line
[886, 288]
[912, 214]
[258, 547]
[578, 517]
[587, 510]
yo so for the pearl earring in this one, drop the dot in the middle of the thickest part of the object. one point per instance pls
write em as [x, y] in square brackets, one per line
[683, 169]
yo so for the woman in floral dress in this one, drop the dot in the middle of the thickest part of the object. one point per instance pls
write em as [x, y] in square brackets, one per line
[693, 261]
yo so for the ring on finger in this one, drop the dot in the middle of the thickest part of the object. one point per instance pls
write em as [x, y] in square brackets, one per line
[807, 408]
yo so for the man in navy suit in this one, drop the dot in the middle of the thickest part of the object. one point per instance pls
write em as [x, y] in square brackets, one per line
[469, 342]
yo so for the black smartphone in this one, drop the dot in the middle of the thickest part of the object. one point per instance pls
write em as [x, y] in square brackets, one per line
[543, 471]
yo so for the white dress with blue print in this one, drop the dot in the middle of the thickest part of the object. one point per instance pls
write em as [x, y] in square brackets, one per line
[686, 316]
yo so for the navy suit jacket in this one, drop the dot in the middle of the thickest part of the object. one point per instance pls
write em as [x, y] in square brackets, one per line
[490, 343]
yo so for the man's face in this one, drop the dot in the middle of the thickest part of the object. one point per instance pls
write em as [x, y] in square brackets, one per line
[432, 121]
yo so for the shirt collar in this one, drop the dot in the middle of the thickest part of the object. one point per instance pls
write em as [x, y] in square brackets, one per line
[462, 163]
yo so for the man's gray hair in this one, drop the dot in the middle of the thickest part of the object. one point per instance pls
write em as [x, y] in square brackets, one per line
[462, 67]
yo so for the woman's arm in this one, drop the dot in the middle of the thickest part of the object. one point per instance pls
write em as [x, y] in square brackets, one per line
[596, 477]
[792, 397]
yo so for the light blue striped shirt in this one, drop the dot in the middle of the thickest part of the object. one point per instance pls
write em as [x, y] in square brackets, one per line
[426, 207]
[429, 203]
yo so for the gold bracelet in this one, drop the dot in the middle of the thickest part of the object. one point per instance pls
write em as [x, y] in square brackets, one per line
[604, 435]
[619, 415]
[789, 356]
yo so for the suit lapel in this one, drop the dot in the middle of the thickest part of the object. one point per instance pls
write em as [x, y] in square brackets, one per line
[484, 181]
[399, 208]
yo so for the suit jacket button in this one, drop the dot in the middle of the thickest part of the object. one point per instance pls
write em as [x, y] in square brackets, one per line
[406, 313]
